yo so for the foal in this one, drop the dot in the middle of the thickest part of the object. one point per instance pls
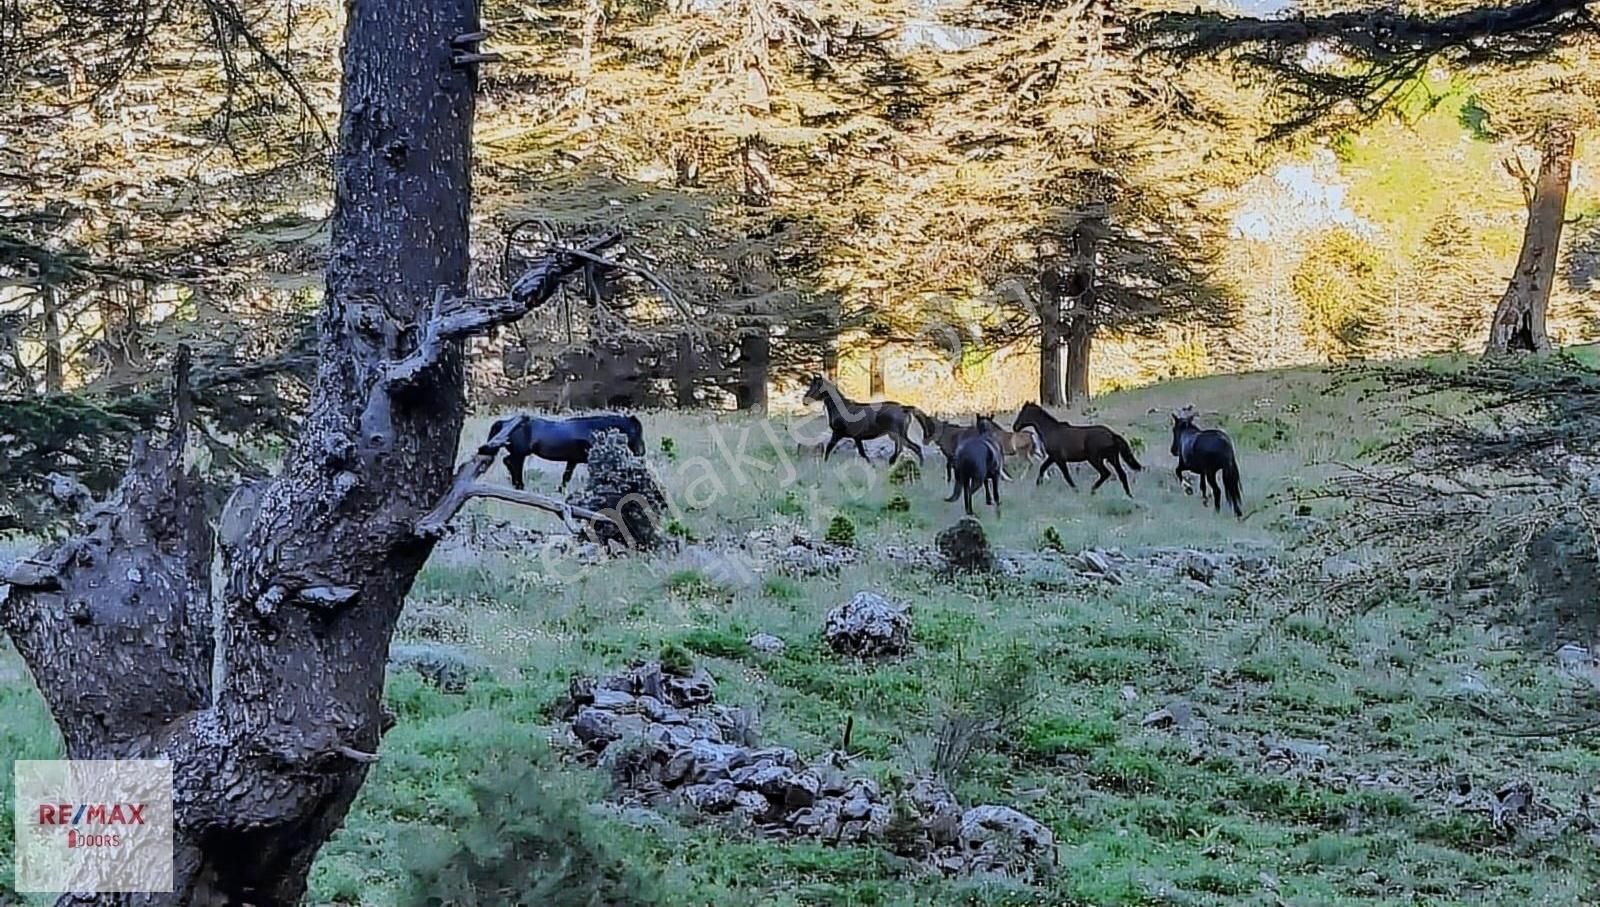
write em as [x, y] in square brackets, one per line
[849, 420]
[1206, 452]
[1065, 443]
[947, 436]
[978, 461]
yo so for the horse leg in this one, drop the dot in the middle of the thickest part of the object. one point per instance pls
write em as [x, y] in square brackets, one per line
[1061, 467]
[1043, 468]
[969, 487]
[514, 467]
[896, 454]
[566, 474]
[1216, 492]
[1117, 465]
[832, 443]
[1100, 467]
[995, 480]
[862, 450]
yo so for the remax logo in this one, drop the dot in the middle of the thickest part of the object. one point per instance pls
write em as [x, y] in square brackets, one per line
[91, 814]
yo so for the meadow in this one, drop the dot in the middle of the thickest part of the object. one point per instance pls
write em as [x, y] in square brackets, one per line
[1333, 759]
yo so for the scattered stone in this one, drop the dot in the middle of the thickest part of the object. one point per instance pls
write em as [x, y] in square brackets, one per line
[711, 798]
[868, 626]
[729, 569]
[1198, 566]
[1129, 694]
[965, 546]
[999, 839]
[446, 667]
[766, 644]
[1177, 714]
[1573, 657]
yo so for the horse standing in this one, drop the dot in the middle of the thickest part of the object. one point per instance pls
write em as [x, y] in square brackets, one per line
[858, 422]
[947, 436]
[563, 440]
[1066, 443]
[1207, 452]
[978, 461]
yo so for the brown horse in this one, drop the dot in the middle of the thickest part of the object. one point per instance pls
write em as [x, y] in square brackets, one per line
[1065, 443]
[947, 436]
[859, 422]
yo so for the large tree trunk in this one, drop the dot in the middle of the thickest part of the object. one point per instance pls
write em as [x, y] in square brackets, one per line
[685, 369]
[270, 744]
[1080, 339]
[755, 358]
[1050, 345]
[54, 361]
[1519, 319]
[877, 380]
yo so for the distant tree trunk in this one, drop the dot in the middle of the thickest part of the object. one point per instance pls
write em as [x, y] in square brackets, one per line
[119, 326]
[1519, 319]
[685, 369]
[54, 362]
[1050, 346]
[316, 562]
[830, 360]
[1080, 339]
[755, 358]
[877, 383]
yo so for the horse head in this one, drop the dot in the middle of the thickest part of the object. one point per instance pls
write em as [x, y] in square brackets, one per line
[1027, 417]
[816, 389]
[985, 424]
[1182, 421]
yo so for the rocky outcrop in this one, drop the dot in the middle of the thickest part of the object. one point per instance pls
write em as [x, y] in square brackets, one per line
[666, 743]
[965, 546]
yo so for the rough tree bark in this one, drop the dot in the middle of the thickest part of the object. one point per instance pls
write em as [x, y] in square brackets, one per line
[1080, 340]
[1519, 319]
[1050, 344]
[685, 369]
[877, 380]
[270, 743]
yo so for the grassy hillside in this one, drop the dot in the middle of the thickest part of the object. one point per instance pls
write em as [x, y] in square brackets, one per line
[1334, 760]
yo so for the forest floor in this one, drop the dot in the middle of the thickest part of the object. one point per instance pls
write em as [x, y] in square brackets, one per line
[1332, 758]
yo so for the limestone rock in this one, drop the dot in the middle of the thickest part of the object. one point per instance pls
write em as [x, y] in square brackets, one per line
[868, 626]
[965, 546]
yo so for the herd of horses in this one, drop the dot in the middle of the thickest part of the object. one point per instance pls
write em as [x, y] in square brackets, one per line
[975, 455]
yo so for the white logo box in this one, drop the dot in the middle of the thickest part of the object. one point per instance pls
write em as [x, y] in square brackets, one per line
[93, 826]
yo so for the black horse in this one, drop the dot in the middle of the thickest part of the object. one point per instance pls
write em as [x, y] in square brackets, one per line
[978, 462]
[859, 422]
[1206, 452]
[563, 440]
[1067, 443]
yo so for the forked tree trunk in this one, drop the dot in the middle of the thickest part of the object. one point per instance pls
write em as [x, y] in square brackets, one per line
[116, 624]
[1519, 319]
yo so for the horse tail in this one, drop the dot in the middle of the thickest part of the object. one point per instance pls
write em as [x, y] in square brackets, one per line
[1230, 484]
[925, 421]
[1126, 452]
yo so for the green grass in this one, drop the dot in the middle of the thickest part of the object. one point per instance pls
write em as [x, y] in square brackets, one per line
[1144, 816]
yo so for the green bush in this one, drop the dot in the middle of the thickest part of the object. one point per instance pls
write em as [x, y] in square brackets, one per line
[675, 658]
[678, 530]
[669, 449]
[715, 643]
[1052, 540]
[529, 843]
[841, 531]
[905, 472]
[897, 503]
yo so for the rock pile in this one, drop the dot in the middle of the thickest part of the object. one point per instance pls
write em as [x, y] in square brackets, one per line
[666, 742]
[868, 626]
[621, 485]
[796, 553]
[965, 546]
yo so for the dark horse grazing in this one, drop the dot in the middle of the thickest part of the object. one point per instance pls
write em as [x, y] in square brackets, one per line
[862, 421]
[978, 462]
[1065, 443]
[1206, 452]
[947, 436]
[563, 440]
